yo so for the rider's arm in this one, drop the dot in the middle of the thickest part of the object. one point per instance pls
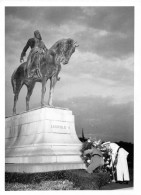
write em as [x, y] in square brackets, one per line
[30, 43]
[25, 48]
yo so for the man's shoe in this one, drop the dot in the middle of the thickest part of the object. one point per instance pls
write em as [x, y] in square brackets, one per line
[120, 182]
[125, 182]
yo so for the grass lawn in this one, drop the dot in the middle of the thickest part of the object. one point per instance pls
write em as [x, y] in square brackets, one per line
[57, 180]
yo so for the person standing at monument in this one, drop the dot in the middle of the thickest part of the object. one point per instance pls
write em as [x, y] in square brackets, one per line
[119, 160]
[37, 47]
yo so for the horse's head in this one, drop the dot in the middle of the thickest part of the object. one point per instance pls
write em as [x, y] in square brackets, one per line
[64, 49]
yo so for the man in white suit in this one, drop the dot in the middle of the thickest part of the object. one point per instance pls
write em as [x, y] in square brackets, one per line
[119, 155]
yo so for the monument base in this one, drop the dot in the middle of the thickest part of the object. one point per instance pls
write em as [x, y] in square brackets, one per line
[42, 140]
[37, 168]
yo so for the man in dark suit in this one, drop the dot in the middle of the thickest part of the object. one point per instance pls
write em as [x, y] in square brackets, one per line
[96, 159]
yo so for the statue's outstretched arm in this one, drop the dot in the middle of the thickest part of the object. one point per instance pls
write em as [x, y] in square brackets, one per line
[25, 49]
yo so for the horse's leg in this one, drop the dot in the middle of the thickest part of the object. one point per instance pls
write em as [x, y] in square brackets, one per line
[15, 102]
[44, 81]
[52, 85]
[16, 94]
[29, 93]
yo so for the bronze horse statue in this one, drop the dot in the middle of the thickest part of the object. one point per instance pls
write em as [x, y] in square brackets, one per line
[50, 66]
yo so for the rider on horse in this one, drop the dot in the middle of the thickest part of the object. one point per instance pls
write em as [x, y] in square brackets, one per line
[37, 47]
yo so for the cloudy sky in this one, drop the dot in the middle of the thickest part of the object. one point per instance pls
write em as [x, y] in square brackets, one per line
[97, 84]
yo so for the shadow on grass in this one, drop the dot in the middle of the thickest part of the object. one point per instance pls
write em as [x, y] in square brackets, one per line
[80, 178]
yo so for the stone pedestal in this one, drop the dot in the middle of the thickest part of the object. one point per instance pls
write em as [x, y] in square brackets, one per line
[42, 140]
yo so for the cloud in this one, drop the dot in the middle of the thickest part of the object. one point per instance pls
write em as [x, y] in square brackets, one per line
[47, 15]
[106, 31]
[117, 19]
[115, 46]
[103, 43]
[112, 19]
[100, 116]
[116, 71]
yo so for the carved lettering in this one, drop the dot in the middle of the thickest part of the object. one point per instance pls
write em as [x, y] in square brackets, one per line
[60, 127]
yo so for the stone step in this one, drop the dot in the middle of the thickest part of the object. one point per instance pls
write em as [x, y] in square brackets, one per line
[46, 167]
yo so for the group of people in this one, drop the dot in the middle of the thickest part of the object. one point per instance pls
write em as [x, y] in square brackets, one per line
[118, 161]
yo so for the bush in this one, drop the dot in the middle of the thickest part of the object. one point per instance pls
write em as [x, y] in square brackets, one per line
[78, 178]
[44, 185]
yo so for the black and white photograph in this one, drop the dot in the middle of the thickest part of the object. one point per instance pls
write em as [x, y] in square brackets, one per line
[69, 97]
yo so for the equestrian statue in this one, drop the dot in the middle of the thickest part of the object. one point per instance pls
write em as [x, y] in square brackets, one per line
[42, 64]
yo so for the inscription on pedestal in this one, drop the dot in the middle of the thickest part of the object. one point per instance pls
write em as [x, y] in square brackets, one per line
[60, 127]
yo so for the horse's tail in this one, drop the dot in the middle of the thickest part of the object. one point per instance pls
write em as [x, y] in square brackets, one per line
[13, 81]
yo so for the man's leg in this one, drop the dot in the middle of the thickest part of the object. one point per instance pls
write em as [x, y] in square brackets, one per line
[119, 170]
[34, 72]
[37, 71]
[125, 170]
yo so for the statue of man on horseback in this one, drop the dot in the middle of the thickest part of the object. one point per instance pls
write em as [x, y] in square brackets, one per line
[42, 64]
[37, 48]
